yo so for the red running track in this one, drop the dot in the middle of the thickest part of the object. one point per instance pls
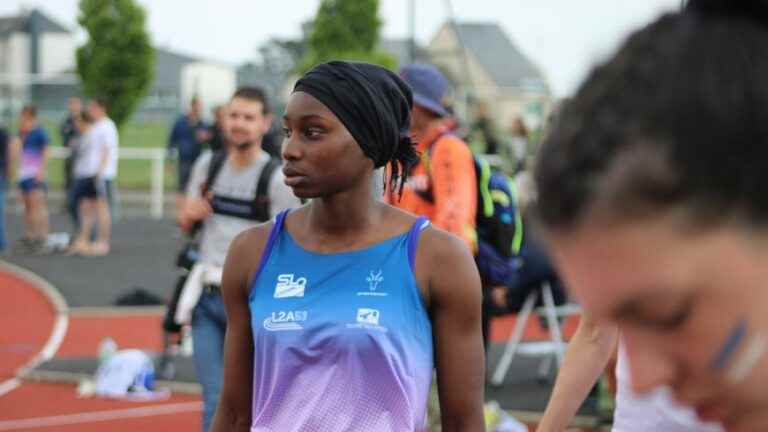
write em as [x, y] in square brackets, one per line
[27, 317]
[26, 320]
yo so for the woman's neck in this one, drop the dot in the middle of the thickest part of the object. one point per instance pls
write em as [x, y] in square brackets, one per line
[347, 212]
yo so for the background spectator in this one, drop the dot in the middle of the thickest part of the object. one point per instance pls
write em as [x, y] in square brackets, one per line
[188, 135]
[32, 185]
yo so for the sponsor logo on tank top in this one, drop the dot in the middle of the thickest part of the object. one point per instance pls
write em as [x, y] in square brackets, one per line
[289, 286]
[367, 319]
[368, 316]
[374, 279]
[285, 320]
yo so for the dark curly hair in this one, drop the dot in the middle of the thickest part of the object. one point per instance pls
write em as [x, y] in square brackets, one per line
[676, 120]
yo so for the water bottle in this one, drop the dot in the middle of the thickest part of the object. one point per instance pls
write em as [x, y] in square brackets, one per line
[107, 347]
[186, 347]
[498, 420]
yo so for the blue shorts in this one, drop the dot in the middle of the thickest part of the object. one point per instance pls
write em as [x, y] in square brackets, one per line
[27, 186]
[90, 188]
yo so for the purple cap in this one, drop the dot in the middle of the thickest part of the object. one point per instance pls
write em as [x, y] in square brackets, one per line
[429, 86]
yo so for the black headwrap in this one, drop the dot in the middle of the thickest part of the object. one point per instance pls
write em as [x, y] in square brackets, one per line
[373, 103]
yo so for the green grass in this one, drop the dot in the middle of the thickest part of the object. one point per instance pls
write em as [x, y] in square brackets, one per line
[132, 174]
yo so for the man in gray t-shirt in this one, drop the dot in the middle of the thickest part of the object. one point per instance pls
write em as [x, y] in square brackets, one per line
[226, 208]
[238, 186]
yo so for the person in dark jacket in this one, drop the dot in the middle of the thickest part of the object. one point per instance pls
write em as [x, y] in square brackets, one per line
[70, 136]
[4, 170]
[188, 135]
[218, 139]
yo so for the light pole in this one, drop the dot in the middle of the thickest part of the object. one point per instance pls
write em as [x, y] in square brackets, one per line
[412, 25]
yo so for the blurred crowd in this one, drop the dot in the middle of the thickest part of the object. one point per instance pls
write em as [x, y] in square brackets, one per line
[473, 180]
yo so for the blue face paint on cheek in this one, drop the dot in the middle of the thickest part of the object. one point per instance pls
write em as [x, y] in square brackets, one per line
[730, 346]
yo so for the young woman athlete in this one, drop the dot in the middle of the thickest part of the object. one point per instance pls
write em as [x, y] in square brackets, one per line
[339, 311]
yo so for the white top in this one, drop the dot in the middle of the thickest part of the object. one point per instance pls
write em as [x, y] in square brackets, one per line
[655, 411]
[101, 137]
[89, 153]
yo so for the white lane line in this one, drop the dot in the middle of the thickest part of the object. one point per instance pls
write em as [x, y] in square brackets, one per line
[59, 326]
[8, 386]
[113, 311]
[98, 416]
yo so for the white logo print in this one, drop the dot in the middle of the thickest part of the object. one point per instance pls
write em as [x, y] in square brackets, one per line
[374, 280]
[368, 316]
[287, 286]
[284, 321]
[367, 319]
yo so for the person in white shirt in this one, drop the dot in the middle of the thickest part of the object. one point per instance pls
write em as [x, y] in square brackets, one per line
[95, 166]
[108, 133]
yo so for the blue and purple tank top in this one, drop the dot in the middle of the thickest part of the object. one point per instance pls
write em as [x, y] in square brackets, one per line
[342, 341]
[32, 151]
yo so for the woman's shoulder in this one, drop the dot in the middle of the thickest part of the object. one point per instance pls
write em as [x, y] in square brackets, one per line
[247, 247]
[257, 234]
[252, 240]
[399, 217]
[401, 221]
[447, 263]
[443, 245]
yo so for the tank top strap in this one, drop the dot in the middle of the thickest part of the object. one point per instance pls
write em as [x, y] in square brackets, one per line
[413, 238]
[274, 234]
[279, 219]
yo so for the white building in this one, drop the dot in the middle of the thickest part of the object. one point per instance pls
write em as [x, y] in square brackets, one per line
[34, 49]
[178, 77]
[37, 65]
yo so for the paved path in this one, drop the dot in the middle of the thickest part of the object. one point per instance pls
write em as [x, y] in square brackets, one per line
[143, 256]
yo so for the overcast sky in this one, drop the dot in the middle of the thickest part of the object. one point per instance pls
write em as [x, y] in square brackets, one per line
[563, 37]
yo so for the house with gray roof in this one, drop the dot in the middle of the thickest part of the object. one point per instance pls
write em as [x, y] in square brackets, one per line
[400, 49]
[33, 43]
[34, 49]
[485, 66]
[37, 65]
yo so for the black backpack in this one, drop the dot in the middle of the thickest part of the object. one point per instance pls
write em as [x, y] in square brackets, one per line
[260, 205]
[498, 221]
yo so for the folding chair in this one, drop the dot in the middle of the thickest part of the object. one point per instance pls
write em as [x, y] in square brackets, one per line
[555, 347]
